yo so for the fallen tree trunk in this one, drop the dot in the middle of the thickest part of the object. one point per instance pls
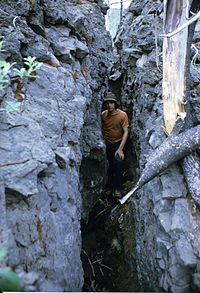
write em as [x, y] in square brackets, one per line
[172, 150]
[191, 168]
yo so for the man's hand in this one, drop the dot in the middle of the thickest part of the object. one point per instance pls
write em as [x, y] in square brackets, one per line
[120, 153]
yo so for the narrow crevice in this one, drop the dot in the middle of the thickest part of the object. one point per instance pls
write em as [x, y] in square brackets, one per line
[107, 245]
[98, 271]
[108, 240]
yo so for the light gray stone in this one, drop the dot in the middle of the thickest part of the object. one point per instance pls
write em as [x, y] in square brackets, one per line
[181, 217]
[42, 145]
[173, 184]
[185, 253]
[179, 275]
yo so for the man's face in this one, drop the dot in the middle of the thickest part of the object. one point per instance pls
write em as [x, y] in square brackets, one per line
[110, 106]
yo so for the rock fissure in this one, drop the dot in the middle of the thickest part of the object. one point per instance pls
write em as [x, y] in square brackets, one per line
[62, 232]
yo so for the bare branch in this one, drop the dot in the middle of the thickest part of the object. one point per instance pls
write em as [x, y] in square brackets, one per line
[169, 152]
[192, 19]
[196, 55]
[92, 268]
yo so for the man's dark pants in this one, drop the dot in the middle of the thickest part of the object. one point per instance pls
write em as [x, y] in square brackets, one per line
[115, 167]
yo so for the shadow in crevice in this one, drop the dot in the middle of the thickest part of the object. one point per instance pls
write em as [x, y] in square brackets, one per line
[105, 247]
[97, 271]
[99, 267]
[130, 163]
[108, 248]
[14, 197]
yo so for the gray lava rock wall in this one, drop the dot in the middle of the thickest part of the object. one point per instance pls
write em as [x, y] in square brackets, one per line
[58, 127]
[166, 220]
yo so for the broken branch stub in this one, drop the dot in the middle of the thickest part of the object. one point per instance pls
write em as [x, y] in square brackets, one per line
[174, 62]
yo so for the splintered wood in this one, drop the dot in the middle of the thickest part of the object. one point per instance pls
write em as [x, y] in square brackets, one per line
[174, 62]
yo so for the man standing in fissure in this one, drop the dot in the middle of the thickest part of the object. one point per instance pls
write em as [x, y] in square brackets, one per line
[115, 133]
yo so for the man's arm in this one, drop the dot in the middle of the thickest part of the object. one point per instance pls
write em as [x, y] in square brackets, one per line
[122, 144]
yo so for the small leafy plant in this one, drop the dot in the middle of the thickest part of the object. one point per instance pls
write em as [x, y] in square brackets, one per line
[6, 68]
[9, 280]
[32, 65]
[11, 106]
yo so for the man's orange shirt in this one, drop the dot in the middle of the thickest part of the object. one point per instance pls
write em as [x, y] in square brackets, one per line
[113, 125]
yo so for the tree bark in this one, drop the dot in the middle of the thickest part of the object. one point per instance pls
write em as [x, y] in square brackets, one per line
[170, 151]
[174, 62]
[191, 167]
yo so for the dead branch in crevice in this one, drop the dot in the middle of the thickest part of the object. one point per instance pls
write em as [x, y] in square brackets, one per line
[170, 151]
[90, 262]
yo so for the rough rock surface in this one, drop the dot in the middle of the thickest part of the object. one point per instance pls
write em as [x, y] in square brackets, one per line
[52, 155]
[166, 220]
[55, 136]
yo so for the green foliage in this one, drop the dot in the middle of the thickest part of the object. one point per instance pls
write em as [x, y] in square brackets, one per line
[12, 106]
[6, 68]
[9, 280]
[32, 65]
